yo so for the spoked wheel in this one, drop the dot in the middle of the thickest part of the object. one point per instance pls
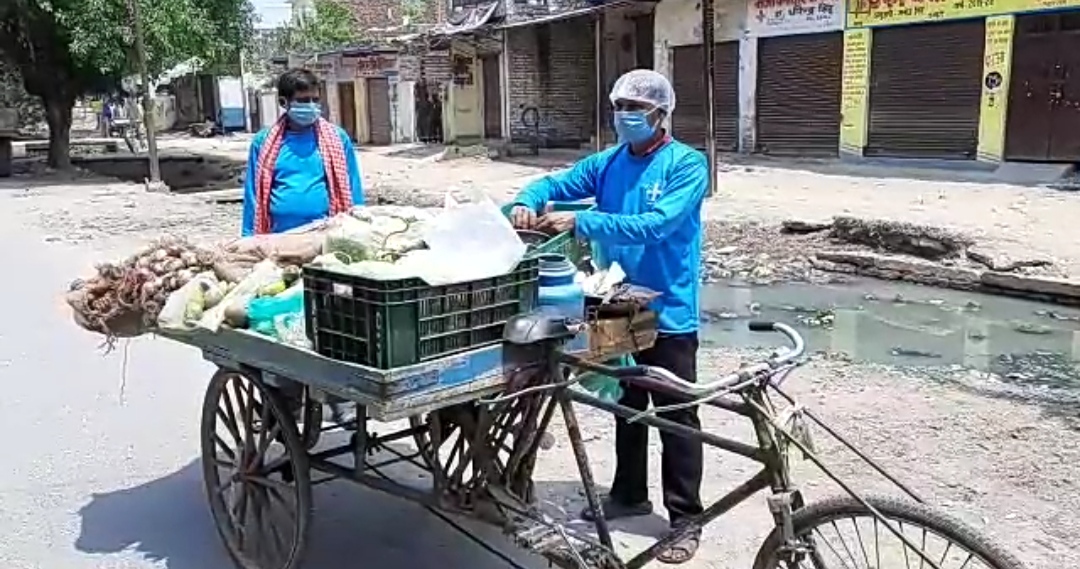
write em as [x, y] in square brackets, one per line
[462, 459]
[256, 472]
[841, 533]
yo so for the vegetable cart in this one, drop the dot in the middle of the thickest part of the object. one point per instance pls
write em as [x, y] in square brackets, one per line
[476, 419]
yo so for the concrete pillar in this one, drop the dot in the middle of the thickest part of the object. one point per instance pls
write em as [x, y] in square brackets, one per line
[748, 69]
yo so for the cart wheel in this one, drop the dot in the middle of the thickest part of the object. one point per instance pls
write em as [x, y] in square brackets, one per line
[256, 472]
[447, 445]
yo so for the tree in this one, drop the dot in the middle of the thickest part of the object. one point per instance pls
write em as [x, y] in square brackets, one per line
[329, 25]
[68, 48]
[415, 11]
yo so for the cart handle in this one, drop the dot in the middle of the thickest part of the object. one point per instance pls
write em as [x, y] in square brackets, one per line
[747, 373]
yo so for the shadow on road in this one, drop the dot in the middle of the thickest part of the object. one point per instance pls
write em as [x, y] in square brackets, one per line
[31, 173]
[168, 520]
[165, 520]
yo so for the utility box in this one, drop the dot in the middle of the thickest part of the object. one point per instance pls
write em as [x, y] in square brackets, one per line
[9, 127]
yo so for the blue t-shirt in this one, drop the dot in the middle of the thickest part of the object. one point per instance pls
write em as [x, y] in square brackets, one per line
[647, 218]
[298, 193]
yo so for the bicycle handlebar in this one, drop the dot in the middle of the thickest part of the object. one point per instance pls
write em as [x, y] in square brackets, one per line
[798, 347]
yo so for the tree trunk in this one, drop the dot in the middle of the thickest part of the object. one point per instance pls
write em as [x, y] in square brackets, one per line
[58, 116]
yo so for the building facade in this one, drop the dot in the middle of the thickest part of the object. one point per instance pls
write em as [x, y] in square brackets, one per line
[1004, 93]
[981, 81]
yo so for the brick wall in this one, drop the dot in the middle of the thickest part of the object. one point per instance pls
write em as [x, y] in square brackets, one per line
[552, 67]
[389, 14]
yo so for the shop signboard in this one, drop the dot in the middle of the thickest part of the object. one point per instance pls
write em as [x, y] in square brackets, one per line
[861, 13]
[995, 87]
[787, 17]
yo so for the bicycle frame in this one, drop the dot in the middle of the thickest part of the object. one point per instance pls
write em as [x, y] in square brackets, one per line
[773, 476]
[755, 405]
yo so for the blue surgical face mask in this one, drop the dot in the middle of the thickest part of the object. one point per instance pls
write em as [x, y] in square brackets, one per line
[633, 126]
[304, 114]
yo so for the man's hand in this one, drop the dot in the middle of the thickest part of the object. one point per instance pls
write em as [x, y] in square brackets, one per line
[522, 217]
[556, 222]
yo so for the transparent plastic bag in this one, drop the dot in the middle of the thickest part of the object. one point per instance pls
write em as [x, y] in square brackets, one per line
[466, 242]
[606, 387]
[186, 305]
[263, 312]
[290, 329]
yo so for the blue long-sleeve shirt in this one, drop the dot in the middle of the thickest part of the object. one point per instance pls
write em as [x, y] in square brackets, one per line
[647, 218]
[298, 193]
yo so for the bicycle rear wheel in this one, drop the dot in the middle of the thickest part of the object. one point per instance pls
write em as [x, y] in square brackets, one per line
[841, 533]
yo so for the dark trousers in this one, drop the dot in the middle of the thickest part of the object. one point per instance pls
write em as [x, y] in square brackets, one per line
[681, 460]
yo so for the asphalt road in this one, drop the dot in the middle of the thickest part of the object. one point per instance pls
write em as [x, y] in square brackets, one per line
[101, 454]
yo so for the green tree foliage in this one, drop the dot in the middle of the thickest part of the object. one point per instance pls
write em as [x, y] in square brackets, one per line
[67, 48]
[415, 11]
[328, 25]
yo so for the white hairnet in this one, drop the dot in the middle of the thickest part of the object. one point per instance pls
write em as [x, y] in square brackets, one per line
[645, 86]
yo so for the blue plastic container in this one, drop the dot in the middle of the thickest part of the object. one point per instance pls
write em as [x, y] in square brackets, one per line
[560, 295]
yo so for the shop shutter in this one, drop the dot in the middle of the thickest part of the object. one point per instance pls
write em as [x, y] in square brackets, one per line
[925, 88]
[688, 79]
[378, 101]
[798, 94]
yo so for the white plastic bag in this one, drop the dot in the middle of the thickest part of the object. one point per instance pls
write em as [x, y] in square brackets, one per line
[467, 242]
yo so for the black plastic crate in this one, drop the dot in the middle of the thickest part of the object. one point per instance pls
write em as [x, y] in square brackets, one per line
[393, 323]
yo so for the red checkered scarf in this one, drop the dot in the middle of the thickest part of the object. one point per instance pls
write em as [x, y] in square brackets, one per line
[334, 166]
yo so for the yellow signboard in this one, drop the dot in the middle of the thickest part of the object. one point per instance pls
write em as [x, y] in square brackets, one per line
[855, 91]
[995, 87]
[890, 12]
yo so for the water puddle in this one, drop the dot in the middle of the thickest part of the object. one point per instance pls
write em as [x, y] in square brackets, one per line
[1029, 344]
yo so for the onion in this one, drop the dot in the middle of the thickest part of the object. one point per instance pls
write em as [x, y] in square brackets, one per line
[189, 258]
[174, 265]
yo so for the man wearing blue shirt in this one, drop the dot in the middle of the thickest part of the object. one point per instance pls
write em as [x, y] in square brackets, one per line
[649, 191]
[300, 169]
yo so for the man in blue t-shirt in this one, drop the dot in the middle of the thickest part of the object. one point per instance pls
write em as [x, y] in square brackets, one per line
[649, 191]
[300, 169]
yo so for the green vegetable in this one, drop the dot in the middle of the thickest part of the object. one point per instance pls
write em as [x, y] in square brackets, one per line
[290, 275]
[273, 289]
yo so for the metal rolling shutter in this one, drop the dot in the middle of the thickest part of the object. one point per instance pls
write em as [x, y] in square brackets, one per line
[379, 110]
[688, 121]
[798, 94]
[925, 87]
[688, 80]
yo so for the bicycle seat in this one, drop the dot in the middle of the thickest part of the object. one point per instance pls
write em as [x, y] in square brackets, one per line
[534, 327]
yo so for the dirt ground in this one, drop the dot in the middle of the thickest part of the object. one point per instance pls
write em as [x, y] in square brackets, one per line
[1008, 466]
[1009, 222]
